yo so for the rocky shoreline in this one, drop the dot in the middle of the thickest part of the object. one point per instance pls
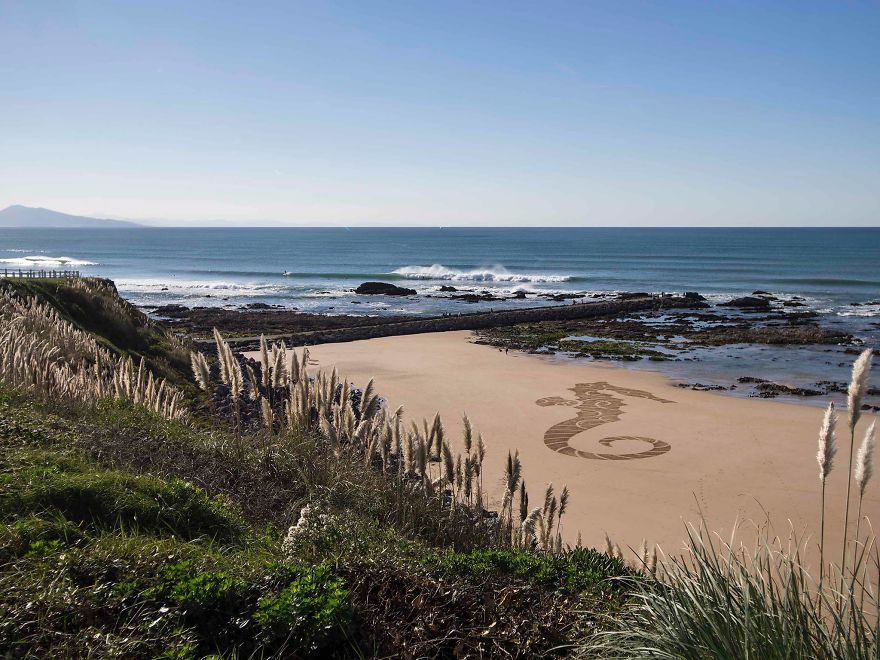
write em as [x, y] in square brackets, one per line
[628, 327]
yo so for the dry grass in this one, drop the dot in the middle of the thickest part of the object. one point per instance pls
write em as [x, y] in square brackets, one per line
[48, 356]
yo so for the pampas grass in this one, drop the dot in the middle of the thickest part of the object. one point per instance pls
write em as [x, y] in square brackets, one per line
[358, 424]
[855, 395]
[862, 475]
[201, 371]
[46, 355]
[825, 458]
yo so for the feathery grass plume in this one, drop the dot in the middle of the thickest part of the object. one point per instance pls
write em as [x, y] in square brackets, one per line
[422, 458]
[439, 435]
[652, 561]
[609, 546]
[825, 458]
[264, 361]
[523, 501]
[548, 498]
[396, 433]
[468, 434]
[201, 371]
[468, 479]
[222, 357]
[448, 464]
[529, 528]
[428, 437]
[294, 368]
[279, 368]
[855, 394]
[266, 413]
[863, 473]
[253, 388]
[481, 448]
[827, 446]
[370, 402]
[563, 501]
[409, 458]
[512, 471]
[864, 460]
[858, 386]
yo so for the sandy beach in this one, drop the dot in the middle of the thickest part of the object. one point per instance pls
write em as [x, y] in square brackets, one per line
[641, 456]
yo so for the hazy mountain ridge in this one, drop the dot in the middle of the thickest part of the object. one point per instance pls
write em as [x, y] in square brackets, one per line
[30, 217]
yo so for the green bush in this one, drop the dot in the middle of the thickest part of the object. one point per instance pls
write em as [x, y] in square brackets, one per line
[307, 614]
[579, 569]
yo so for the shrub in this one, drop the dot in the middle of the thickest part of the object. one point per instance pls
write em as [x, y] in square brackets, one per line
[576, 570]
[307, 614]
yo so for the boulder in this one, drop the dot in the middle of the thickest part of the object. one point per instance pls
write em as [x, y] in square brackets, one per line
[448, 289]
[748, 302]
[384, 289]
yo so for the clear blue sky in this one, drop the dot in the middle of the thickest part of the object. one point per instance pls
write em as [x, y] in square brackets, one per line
[443, 113]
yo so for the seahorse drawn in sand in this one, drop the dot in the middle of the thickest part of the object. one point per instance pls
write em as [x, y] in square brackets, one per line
[596, 406]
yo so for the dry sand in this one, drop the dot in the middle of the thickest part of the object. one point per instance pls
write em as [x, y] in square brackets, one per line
[688, 452]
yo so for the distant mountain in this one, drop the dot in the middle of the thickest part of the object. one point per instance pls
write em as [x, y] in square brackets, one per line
[28, 217]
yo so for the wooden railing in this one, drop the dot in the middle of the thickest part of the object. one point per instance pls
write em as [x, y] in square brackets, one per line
[39, 274]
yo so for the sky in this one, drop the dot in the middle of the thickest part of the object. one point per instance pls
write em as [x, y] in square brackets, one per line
[439, 112]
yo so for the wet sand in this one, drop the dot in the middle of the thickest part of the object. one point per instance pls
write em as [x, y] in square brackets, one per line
[641, 456]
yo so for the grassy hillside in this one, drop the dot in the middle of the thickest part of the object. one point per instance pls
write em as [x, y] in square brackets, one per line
[125, 534]
[158, 503]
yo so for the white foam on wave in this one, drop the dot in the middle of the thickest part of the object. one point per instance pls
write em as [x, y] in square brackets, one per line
[865, 310]
[494, 274]
[45, 261]
[198, 288]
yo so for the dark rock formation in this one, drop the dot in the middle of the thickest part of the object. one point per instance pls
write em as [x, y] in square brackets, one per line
[561, 296]
[748, 302]
[383, 289]
[448, 289]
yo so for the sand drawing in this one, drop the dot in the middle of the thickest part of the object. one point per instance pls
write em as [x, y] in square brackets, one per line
[596, 406]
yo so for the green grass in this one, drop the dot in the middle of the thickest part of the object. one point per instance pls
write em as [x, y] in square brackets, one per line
[56, 484]
[108, 549]
[577, 570]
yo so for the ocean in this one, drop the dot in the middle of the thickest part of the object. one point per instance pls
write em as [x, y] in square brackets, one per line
[835, 271]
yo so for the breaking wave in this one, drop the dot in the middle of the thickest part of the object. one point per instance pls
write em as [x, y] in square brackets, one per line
[198, 288]
[45, 261]
[494, 274]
